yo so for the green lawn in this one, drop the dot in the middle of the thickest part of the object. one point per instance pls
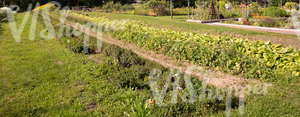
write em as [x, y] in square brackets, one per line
[45, 78]
[34, 83]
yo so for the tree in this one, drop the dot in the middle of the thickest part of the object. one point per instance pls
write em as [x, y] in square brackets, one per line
[158, 6]
[212, 10]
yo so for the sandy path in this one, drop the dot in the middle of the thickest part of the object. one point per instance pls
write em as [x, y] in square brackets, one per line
[257, 28]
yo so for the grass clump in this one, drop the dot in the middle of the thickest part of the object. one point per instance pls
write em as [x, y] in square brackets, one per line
[125, 58]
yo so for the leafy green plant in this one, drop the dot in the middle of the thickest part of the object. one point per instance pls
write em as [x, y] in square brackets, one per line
[254, 8]
[268, 22]
[180, 11]
[127, 7]
[111, 6]
[222, 5]
[125, 58]
[290, 5]
[159, 7]
[253, 59]
[275, 12]
[233, 13]
[141, 11]
[202, 14]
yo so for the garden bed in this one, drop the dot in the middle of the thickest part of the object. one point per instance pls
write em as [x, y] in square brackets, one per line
[260, 60]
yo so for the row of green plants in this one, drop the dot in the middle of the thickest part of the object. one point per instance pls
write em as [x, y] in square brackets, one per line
[252, 59]
[116, 6]
[123, 70]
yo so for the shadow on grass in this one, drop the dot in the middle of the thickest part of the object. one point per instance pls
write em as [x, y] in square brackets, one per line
[1, 28]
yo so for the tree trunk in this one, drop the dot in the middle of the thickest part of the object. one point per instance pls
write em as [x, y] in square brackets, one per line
[171, 8]
[188, 8]
[265, 3]
[203, 4]
[212, 10]
[218, 6]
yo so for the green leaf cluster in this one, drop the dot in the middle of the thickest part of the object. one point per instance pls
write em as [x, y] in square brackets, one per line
[252, 59]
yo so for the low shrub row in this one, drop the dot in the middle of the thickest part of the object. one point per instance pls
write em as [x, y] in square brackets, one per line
[112, 6]
[135, 77]
[252, 59]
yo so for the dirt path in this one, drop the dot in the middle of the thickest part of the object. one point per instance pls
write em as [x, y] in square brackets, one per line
[257, 28]
[217, 79]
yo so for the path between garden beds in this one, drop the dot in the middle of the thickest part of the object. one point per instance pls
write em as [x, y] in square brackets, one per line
[215, 78]
[257, 28]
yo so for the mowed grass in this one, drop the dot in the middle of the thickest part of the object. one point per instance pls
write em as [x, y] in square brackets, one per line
[43, 78]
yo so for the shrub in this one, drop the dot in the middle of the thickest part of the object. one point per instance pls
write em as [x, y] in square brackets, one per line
[254, 8]
[275, 12]
[131, 77]
[159, 7]
[180, 11]
[233, 13]
[117, 6]
[125, 58]
[127, 7]
[141, 11]
[290, 5]
[202, 14]
[128, 58]
[76, 44]
[200, 4]
[222, 5]
[134, 70]
[268, 22]
[111, 6]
